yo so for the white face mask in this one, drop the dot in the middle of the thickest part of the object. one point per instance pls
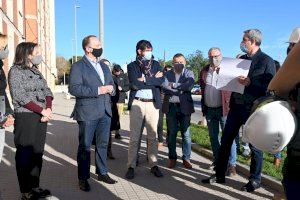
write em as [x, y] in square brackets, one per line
[36, 60]
[4, 53]
[148, 55]
[217, 61]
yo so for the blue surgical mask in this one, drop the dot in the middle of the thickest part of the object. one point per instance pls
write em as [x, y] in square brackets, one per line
[148, 55]
[244, 48]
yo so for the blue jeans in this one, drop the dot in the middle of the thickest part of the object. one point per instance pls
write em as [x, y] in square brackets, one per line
[237, 116]
[174, 118]
[215, 119]
[278, 155]
[87, 129]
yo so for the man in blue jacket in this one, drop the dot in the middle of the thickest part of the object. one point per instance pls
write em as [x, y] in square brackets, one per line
[145, 76]
[92, 85]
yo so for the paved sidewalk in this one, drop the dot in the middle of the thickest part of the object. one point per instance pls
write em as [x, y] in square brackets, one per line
[59, 173]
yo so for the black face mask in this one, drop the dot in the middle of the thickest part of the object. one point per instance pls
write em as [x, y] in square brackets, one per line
[178, 68]
[97, 52]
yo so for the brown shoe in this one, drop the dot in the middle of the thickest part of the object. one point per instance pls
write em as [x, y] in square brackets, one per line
[187, 164]
[160, 145]
[110, 155]
[172, 163]
[231, 171]
[277, 162]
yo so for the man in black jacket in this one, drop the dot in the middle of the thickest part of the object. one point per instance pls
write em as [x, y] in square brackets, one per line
[261, 72]
[145, 76]
[178, 106]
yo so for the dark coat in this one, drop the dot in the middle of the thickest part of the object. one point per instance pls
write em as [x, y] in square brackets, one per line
[84, 83]
[261, 72]
[3, 85]
[27, 85]
[184, 91]
[121, 80]
[153, 83]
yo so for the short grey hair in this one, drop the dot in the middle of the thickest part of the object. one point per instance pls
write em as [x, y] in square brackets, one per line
[213, 48]
[254, 34]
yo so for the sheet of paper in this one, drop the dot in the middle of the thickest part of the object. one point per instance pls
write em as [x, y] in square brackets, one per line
[230, 69]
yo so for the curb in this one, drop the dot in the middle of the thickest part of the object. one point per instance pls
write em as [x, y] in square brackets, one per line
[241, 168]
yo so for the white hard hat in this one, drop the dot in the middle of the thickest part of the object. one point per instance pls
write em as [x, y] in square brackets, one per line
[295, 36]
[270, 127]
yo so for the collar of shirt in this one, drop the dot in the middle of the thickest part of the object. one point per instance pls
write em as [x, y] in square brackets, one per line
[94, 63]
[254, 56]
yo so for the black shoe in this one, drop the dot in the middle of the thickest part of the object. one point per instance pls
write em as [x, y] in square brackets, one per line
[106, 179]
[118, 136]
[41, 193]
[84, 185]
[251, 186]
[130, 173]
[29, 196]
[110, 156]
[155, 170]
[213, 179]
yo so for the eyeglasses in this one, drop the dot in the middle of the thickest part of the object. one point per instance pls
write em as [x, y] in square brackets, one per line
[216, 56]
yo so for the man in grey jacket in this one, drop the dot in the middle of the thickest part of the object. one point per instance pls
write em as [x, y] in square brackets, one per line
[92, 85]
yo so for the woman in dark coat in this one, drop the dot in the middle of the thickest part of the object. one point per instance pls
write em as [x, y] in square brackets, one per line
[122, 86]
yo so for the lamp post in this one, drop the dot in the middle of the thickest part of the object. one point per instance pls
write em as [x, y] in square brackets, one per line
[75, 29]
[101, 23]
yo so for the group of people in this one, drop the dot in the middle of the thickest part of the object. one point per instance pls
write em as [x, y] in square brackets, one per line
[153, 91]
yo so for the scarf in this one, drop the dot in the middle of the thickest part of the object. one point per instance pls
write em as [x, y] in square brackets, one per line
[145, 65]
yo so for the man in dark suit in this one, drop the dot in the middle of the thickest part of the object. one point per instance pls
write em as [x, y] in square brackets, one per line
[261, 72]
[145, 76]
[178, 106]
[92, 85]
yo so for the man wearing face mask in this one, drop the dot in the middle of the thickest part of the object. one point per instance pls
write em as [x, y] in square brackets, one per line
[215, 106]
[6, 118]
[178, 106]
[92, 85]
[261, 72]
[145, 76]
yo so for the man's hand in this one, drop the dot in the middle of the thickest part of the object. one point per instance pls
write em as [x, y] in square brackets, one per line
[158, 75]
[102, 90]
[142, 79]
[244, 80]
[110, 89]
[120, 88]
[107, 89]
[9, 121]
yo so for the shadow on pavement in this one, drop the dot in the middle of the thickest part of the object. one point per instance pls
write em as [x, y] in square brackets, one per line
[59, 173]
